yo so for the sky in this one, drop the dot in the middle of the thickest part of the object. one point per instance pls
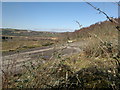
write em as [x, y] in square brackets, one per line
[54, 16]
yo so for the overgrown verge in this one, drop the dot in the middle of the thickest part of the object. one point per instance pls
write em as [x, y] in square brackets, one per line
[98, 66]
[89, 69]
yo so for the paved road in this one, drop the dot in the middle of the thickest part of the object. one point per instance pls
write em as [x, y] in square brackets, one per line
[15, 61]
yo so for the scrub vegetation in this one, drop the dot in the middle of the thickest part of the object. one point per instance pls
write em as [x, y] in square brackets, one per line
[97, 65]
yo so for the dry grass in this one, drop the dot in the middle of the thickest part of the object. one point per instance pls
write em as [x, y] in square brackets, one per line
[76, 71]
[14, 45]
[97, 66]
[23, 44]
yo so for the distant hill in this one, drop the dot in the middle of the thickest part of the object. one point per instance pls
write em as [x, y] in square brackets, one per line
[17, 32]
[101, 29]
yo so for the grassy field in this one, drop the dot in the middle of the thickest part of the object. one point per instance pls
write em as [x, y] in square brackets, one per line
[24, 45]
[23, 39]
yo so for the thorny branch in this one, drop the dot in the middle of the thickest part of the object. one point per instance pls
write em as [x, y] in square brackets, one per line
[97, 38]
[109, 18]
[117, 3]
[79, 24]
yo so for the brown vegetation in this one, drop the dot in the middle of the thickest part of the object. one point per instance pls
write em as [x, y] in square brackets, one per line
[97, 66]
